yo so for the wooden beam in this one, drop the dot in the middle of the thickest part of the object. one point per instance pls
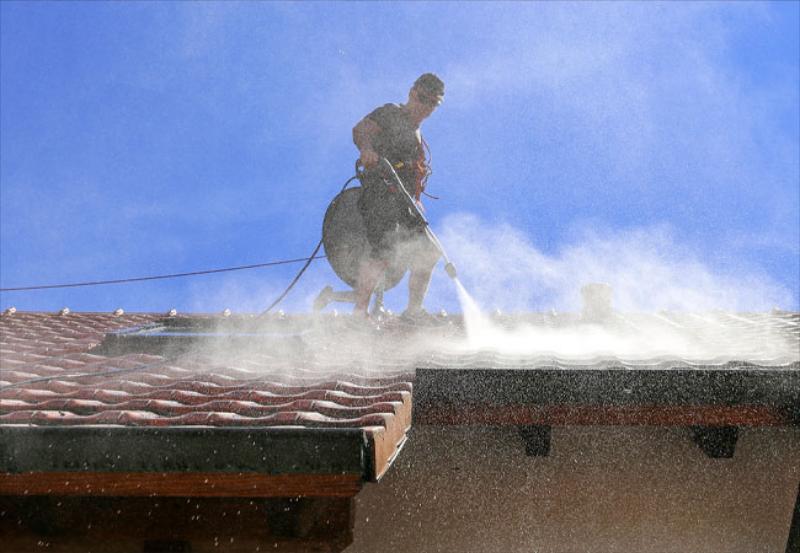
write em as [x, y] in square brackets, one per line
[716, 442]
[177, 484]
[588, 415]
[793, 543]
[537, 440]
[176, 524]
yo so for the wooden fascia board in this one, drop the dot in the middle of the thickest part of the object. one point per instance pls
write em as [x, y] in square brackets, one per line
[179, 484]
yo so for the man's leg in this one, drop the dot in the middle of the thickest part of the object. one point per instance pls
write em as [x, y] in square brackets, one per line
[369, 274]
[379, 219]
[423, 259]
[418, 282]
[328, 295]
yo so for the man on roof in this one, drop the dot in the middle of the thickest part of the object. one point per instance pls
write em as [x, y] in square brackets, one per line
[393, 132]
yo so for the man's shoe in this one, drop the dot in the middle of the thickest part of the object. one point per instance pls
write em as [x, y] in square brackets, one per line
[418, 317]
[362, 322]
[323, 299]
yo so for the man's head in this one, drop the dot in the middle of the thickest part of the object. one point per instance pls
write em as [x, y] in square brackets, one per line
[429, 88]
[425, 96]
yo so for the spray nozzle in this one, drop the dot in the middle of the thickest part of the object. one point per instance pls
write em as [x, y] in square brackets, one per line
[451, 271]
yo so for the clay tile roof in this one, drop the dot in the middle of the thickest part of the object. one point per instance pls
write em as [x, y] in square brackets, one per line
[54, 375]
[309, 400]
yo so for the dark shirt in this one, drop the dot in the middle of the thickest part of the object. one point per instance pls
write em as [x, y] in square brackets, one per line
[399, 139]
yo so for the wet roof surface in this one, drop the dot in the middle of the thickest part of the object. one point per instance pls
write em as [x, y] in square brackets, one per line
[338, 416]
[309, 373]
[105, 368]
[51, 374]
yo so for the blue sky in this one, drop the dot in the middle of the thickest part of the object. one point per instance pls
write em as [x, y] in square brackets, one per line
[652, 146]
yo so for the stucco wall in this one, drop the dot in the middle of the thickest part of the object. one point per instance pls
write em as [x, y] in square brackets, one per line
[602, 489]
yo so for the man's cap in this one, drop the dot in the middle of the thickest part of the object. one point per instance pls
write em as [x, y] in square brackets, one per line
[431, 87]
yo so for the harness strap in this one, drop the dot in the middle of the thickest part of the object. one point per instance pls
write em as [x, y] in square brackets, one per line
[422, 170]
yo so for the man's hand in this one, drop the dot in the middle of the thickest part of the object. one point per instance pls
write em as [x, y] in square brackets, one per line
[363, 134]
[369, 158]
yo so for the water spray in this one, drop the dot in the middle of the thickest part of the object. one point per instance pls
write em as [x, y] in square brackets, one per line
[474, 320]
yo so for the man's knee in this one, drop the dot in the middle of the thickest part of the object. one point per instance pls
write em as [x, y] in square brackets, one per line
[425, 255]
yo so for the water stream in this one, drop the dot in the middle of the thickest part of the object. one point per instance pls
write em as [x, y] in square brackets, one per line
[475, 322]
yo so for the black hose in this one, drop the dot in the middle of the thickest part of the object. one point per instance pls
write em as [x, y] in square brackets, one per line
[154, 277]
[308, 262]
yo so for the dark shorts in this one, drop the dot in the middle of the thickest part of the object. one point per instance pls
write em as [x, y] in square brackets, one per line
[394, 234]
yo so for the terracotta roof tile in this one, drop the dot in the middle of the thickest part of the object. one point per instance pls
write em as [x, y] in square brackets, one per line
[52, 373]
[53, 376]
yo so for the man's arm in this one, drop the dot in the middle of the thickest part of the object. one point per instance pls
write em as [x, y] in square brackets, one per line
[363, 134]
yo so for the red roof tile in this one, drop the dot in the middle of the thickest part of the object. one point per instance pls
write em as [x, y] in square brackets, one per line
[46, 362]
[52, 376]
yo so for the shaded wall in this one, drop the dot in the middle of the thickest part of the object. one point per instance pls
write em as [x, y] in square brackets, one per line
[602, 489]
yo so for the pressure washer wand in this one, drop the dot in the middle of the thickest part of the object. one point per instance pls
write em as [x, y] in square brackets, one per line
[414, 207]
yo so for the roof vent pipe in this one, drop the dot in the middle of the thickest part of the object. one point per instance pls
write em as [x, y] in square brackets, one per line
[596, 302]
